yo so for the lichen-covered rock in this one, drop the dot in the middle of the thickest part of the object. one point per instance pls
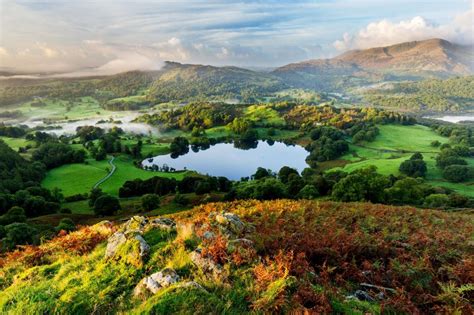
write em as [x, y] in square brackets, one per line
[230, 224]
[163, 223]
[113, 243]
[156, 282]
[103, 227]
[192, 285]
[232, 245]
[135, 224]
[207, 265]
[129, 247]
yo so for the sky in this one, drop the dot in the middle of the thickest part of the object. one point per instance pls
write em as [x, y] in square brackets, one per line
[109, 36]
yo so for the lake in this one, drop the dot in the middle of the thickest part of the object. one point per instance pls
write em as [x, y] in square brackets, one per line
[224, 159]
[454, 119]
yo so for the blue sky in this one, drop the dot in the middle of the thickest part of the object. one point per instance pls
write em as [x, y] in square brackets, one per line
[116, 35]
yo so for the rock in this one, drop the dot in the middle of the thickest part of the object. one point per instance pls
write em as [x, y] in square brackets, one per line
[230, 223]
[113, 243]
[232, 245]
[135, 224]
[163, 223]
[130, 247]
[103, 227]
[144, 247]
[156, 282]
[363, 296]
[208, 235]
[205, 264]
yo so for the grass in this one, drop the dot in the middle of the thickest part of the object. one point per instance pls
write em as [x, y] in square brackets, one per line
[415, 138]
[80, 178]
[16, 143]
[263, 115]
[394, 145]
[303, 254]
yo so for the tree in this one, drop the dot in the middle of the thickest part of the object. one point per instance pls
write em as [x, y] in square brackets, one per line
[94, 194]
[19, 234]
[308, 192]
[66, 224]
[262, 173]
[15, 214]
[405, 191]
[285, 172]
[106, 205]
[436, 201]
[457, 173]
[150, 202]
[414, 167]
[361, 185]
[179, 146]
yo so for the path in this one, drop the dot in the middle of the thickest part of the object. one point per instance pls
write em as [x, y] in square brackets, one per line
[112, 171]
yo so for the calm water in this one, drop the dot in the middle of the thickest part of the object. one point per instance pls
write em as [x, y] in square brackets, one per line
[455, 119]
[224, 159]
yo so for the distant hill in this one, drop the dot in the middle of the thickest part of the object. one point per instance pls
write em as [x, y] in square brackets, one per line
[411, 60]
[185, 81]
[433, 55]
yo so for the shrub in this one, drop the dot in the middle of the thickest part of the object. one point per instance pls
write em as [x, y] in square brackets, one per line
[308, 192]
[106, 205]
[436, 201]
[66, 224]
[150, 202]
[19, 234]
[15, 214]
[457, 173]
[180, 199]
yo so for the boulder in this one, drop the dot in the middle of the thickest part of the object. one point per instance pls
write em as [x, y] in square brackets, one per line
[207, 265]
[163, 223]
[130, 247]
[135, 224]
[233, 245]
[230, 224]
[156, 282]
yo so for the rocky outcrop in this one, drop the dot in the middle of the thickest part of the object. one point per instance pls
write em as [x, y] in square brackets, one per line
[156, 282]
[207, 265]
[128, 243]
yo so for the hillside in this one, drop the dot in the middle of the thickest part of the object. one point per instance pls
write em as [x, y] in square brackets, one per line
[198, 82]
[410, 60]
[433, 55]
[449, 95]
[249, 256]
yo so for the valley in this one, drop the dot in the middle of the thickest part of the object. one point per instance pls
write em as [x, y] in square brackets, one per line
[294, 188]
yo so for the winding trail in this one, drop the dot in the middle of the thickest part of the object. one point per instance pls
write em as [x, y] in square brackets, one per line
[112, 171]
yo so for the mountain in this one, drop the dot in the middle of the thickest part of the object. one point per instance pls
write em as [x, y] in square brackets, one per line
[177, 81]
[410, 60]
[433, 55]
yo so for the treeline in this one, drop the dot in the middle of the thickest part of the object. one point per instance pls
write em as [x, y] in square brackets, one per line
[431, 95]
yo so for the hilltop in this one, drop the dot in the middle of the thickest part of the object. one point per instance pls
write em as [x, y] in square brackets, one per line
[409, 60]
[250, 256]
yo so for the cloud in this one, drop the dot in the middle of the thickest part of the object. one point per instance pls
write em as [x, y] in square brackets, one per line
[385, 32]
[3, 52]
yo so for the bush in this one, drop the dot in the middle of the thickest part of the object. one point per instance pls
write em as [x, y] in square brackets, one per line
[308, 192]
[15, 214]
[436, 201]
[414, 167]
[66, 224]
[181, 200]
[19, 234]
[150, 202]
[457, 173]
[106, 205]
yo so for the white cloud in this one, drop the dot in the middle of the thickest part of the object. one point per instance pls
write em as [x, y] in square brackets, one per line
[385, 32]
[3, 52]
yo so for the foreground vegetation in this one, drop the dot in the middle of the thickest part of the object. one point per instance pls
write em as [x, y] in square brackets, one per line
[280, 256]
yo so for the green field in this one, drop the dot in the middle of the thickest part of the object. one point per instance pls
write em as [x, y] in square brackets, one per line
[393, 145]
[80, 178]
[16, 143]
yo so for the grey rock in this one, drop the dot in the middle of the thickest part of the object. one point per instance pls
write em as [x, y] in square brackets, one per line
[114, 242]
[230, 223]
[135, 224]
[156, 282]
[205, 264]
[163, 223]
